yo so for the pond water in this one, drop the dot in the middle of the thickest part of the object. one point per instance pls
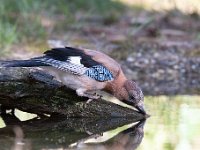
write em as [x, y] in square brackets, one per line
[174, 125]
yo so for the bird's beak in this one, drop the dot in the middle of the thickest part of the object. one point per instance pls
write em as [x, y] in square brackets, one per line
[140, 108]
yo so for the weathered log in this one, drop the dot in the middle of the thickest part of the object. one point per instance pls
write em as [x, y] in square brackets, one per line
[35, 91]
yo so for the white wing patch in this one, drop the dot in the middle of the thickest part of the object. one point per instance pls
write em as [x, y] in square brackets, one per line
[75, 60]
[78, 69]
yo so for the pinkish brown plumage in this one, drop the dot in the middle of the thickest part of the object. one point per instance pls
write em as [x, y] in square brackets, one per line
[87, 71]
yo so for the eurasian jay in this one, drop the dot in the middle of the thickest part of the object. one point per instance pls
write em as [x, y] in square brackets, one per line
[87, 71]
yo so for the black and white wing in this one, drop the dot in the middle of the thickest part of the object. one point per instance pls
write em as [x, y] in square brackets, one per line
[75, 61]
[67, 66]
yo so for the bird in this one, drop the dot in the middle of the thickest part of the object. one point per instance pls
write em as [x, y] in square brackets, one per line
[86, 71]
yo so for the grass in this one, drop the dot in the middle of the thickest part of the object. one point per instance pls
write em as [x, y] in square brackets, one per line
[30, 21]
[8, 35]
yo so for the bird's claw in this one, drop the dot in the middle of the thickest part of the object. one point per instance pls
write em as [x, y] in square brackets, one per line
[95, 96]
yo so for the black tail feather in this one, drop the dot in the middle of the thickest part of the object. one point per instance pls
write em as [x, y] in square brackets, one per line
[21, 63]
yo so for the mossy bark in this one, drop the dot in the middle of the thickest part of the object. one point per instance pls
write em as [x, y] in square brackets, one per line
[32, 90]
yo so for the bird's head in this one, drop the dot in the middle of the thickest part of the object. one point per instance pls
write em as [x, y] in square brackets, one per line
[135, 96]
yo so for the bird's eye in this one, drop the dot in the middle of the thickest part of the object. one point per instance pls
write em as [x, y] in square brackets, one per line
[134, 95]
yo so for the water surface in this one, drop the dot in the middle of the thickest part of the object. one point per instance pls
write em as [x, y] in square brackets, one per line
[174, 125]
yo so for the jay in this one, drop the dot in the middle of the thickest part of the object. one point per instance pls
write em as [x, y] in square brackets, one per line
[87, 71]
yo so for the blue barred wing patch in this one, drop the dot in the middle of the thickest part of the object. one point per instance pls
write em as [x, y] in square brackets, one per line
[99, 73]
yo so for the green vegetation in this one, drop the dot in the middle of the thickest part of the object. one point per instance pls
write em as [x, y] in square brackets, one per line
[32, 21]
[28, 24]
[8, 35]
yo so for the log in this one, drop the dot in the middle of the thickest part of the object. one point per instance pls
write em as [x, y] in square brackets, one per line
[32, 90]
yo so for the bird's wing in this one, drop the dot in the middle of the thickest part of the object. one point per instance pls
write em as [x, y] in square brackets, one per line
[78, 62]
[105, 60]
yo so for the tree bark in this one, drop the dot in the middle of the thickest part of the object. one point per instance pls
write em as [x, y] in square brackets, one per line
[35, 91]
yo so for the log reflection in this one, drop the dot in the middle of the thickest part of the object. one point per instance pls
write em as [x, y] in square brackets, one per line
[59, 132]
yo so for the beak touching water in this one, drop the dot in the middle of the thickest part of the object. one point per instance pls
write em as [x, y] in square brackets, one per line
[140, 108]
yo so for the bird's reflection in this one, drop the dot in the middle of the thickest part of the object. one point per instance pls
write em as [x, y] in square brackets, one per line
[128, 139]
[71, 133]
[131, 137]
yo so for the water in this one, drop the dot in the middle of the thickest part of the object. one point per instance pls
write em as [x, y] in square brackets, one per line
[174, 125]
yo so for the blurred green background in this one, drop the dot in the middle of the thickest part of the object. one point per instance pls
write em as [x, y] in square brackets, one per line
[32, 22]
[28, 24]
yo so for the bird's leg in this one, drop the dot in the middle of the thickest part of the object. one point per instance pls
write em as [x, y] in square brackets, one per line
[86, 93]
[95, 95]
